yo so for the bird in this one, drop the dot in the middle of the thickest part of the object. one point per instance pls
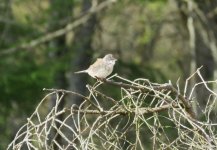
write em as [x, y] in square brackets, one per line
[101, 68]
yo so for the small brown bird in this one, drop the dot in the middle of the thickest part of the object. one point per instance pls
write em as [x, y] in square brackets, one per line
[102, 67]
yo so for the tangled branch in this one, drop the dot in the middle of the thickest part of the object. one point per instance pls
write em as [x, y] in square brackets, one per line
[146, 115]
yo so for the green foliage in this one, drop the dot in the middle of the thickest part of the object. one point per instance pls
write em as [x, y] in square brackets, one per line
[22, 81]
[147, 35]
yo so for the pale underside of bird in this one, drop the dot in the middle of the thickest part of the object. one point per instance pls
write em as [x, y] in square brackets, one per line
[101, 68]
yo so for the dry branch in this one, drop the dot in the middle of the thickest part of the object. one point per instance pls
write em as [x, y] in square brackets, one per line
[69, 27]
[143, 110]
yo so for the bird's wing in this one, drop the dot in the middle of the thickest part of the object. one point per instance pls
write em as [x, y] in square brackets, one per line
[96, 65]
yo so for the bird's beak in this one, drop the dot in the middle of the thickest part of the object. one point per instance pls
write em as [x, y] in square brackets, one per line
[115, 59]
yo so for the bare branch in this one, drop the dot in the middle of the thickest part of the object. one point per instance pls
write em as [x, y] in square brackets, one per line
[49, 36]
[141, 111]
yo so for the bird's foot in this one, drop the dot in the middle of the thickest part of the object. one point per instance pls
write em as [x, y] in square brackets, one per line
[100, 79]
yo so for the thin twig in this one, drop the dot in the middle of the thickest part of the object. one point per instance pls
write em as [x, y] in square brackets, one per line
[49, 36]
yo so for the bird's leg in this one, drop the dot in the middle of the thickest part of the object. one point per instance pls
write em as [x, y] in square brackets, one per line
[98, 82]
[100, 79]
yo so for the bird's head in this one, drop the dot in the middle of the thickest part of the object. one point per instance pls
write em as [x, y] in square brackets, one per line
[109, 58]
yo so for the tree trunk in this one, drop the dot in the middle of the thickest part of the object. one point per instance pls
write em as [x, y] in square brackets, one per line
[60, 10]
[81, 60]
[201, 46]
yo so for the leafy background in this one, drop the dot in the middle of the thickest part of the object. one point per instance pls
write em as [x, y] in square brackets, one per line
[150, 38]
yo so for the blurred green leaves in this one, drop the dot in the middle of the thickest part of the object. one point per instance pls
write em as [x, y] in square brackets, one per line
[22, 81]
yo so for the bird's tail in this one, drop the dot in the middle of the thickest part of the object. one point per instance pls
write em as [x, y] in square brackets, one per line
[83, 71]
